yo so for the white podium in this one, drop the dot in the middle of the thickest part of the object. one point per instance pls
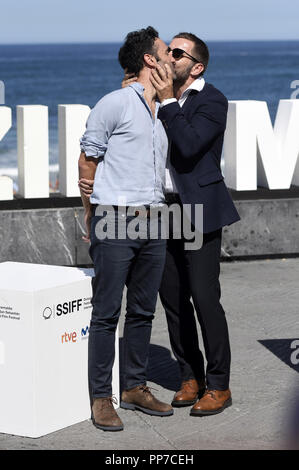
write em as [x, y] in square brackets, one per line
[44, 321]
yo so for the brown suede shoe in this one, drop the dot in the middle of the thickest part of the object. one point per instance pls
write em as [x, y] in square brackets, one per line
[190, 392]
[104, 416]
[141, 398]
[213, 402]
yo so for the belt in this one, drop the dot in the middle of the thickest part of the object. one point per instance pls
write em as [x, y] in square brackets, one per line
[145, 213]
[141, 213]
[149, 213]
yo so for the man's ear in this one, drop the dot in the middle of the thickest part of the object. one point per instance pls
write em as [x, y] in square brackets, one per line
[197, 69]
[149, 60]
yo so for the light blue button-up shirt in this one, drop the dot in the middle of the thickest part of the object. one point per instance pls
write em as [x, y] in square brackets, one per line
[131, 146]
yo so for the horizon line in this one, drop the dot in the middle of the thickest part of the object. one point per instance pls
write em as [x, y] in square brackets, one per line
[120, 42]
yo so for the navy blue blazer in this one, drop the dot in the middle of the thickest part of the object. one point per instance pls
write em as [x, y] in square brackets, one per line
[196, 133]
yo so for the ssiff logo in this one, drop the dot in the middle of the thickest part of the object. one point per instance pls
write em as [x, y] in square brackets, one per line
[47, 313]
[62, 309]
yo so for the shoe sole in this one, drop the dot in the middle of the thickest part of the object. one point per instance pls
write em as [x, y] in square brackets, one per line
[214, 412]
[131, 406]
[106, 428]
[178, 404]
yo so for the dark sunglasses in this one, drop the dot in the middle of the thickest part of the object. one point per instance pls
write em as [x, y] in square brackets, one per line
[178, 53]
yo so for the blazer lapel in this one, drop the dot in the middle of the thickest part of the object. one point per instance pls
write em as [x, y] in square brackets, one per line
[189, 100]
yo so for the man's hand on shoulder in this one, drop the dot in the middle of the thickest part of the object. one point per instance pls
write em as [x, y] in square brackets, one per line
[128, 79]
[161, 79]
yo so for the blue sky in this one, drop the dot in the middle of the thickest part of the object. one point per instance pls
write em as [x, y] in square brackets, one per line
[39, 21]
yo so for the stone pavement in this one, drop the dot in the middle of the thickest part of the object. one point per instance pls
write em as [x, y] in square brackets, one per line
[261, 300]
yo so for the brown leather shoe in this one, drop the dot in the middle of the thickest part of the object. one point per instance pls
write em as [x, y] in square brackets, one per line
[213, 402]
[189, 393]
[141, 398]
[104, 416]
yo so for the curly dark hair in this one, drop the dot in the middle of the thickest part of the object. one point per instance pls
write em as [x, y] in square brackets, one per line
[137, 43]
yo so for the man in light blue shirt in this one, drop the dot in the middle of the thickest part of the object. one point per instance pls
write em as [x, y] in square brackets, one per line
[124, 150]
[131, 145]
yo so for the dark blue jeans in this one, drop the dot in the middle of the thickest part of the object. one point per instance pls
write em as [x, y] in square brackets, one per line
[139, 264]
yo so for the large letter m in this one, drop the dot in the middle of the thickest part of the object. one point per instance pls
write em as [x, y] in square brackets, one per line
[254, 152]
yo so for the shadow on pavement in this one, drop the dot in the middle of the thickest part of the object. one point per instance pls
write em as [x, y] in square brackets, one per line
[162, 368]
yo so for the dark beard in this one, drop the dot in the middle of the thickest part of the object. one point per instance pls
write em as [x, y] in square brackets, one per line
[179, 81]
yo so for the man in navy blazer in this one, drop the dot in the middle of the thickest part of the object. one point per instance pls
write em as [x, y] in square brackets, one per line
[194, 115]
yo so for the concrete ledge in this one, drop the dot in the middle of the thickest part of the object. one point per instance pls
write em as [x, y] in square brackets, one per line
[267, 227]
[54, 235]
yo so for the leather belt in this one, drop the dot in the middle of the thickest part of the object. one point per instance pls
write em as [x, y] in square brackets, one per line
[146, 212]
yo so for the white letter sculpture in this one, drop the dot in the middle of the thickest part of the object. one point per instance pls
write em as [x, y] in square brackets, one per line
[6, 183]
[71, 126]
[254, 153]
[33, 151]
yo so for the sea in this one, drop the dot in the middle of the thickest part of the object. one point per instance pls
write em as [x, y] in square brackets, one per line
[52, 74]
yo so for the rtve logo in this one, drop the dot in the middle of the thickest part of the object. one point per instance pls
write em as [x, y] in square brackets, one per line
[62, 309]
[69, 337]
[73, 337]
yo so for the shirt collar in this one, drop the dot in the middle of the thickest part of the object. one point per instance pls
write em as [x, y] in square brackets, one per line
[197, 85]
[138, 87]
